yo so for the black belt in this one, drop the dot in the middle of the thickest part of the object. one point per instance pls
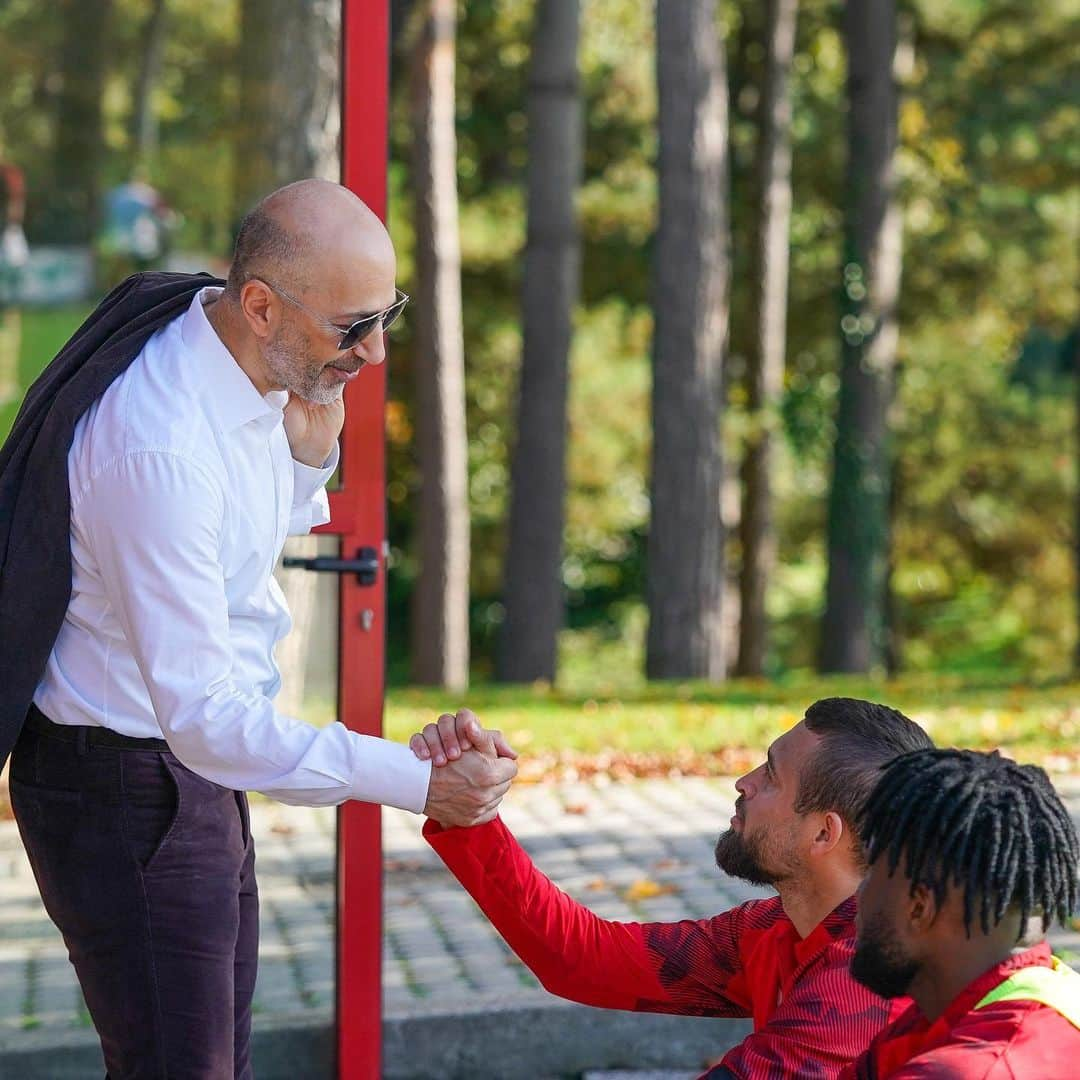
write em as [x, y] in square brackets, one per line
[88, 735]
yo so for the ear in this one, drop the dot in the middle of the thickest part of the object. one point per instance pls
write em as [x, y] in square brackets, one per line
[257, 304]
[922, 909]
[831, 830]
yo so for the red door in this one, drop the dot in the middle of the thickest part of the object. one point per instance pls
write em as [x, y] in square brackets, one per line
[358, 515]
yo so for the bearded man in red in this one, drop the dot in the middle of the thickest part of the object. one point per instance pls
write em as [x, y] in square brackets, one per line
[782, 961]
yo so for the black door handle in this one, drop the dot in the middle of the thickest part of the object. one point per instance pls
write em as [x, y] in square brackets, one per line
[365, 566]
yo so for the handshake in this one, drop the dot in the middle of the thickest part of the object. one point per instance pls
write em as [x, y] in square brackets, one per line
[471, 769]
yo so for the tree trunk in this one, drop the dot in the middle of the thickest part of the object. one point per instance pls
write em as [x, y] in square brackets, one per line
[692, 268]
[765, 361]
[440, 615]
[144, 125]
[533, 593]
[290, 87]
[80, 139]
[858, 528]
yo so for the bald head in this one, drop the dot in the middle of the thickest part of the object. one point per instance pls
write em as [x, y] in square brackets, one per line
[308, 233]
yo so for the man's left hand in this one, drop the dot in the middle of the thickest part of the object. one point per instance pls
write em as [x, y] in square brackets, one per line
[313, 429]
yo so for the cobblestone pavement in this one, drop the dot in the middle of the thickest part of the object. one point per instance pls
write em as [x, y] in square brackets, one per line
[635, 850]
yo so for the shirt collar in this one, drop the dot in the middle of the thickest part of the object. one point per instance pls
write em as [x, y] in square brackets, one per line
[232, 399]
[978, 988]
[840, 922]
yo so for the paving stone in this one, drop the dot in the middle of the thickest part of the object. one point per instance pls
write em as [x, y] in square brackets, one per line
[594, 840]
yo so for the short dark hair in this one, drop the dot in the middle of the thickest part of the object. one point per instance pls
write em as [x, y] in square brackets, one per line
[981, 823]
[264, 246]
[857, 739]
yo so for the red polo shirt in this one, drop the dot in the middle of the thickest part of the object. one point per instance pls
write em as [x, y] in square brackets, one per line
[810, 1017]
[1000, 1041]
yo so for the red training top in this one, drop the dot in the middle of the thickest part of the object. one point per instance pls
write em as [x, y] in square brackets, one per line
[1000, 1041]
[810, 1017]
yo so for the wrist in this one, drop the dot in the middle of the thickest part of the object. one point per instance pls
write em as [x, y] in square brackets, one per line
[313, 457]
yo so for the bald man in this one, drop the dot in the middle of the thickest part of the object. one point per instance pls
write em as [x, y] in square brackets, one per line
[155, 710]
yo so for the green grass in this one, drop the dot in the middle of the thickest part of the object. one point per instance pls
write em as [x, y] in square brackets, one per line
[40, 332]
[678, 721]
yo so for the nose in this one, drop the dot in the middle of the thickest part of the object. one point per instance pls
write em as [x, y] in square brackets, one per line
[372, 350]
[746, 785]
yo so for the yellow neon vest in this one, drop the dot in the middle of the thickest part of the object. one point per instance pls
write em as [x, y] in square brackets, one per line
[1057, 987]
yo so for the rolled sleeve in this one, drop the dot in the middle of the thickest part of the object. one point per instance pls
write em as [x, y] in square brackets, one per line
[311, 505]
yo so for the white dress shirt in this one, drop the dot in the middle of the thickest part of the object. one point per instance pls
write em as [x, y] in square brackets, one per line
[183, 489]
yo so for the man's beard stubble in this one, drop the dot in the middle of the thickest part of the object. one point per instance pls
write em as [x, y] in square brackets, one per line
[878, 962]
[288, 358]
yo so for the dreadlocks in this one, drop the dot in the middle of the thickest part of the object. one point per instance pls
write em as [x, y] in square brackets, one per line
[979, 822]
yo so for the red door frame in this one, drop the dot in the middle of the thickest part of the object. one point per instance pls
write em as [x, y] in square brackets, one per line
[358, 514]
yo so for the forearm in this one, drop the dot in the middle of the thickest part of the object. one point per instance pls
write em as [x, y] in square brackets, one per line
[574, 953]
[571, 950]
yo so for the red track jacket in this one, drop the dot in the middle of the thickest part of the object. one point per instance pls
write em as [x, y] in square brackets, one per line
[810, 1017]
[1001, 1041]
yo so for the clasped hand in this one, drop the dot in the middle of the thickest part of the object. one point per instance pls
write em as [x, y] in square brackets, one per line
[312, 429]
[472, 769]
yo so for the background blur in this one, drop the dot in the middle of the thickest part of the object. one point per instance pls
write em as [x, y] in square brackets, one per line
[763, 359]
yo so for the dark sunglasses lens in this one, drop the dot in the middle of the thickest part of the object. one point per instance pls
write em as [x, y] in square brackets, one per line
[392, 313]
[358, 331]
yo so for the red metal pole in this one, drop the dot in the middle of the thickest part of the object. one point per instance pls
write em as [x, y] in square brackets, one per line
[359, 509]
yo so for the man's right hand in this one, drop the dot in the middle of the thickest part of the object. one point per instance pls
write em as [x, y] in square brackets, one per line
[468, 790]
[453, 734]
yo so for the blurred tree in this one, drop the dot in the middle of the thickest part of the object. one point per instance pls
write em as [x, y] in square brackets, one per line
[289, 85]
[289, 89]
[144, 121]
[691, 271]
[853, 630]
[79, 144]
[533, 590]
[765, 359]
[440, 603]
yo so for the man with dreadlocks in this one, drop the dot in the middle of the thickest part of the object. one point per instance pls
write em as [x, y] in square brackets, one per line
[971, 857]
[783, 961]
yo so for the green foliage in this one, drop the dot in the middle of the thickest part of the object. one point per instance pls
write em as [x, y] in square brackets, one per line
[989, 152]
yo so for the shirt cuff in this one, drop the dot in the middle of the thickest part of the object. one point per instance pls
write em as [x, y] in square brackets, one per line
[311, 506]
[391, 774]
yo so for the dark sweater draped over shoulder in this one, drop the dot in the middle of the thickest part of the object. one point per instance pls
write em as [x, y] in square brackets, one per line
[35, 504]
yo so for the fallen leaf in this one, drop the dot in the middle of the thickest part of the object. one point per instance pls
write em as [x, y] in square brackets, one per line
[646, 889]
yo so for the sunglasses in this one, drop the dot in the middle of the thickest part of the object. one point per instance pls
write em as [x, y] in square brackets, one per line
[354, 333]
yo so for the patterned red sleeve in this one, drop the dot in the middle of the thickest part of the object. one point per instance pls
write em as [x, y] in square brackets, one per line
[686, 967]
[826, 1021]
